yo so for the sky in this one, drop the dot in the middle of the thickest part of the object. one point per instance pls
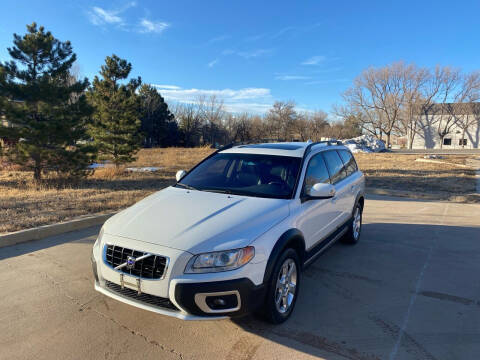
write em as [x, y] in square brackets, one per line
[252, 53]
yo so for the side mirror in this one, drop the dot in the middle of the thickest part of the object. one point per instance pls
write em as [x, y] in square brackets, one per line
[180, 174]
[321, 191]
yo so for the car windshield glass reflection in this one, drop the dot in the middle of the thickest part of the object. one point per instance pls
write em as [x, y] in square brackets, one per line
[245, 174]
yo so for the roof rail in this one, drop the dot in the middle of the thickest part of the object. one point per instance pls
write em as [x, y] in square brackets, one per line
[328, 142]
[233, 144]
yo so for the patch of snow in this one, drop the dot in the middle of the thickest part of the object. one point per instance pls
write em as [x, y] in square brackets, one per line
[96, 166]
[433, 157]
[365, 144]
[142, 169]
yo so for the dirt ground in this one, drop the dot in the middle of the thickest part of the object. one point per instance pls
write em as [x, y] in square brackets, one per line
[24, 204]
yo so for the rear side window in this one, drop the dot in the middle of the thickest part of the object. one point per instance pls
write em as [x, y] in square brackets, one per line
[335, 166]
[349, 161]
[316, 172]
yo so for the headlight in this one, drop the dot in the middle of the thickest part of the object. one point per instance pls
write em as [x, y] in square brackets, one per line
[220, 260]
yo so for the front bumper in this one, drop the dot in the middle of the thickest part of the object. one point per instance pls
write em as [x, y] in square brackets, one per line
[250, 297]
[183, 296]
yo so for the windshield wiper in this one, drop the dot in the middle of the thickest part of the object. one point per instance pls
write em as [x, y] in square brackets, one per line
[221, 191]
[185, 186]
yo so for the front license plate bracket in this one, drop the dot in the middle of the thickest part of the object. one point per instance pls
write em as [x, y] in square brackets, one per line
[135, 286]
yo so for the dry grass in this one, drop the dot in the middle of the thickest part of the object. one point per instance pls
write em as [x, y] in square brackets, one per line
[23, 204]
[402, 172]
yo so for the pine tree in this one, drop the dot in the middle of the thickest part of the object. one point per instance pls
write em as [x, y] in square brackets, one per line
[158, 125]
[116, 120]
[45, 105]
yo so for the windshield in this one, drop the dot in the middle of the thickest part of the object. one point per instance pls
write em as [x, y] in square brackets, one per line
[245, 174]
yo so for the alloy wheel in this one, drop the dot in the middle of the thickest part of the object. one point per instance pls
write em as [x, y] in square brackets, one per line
[286, 286]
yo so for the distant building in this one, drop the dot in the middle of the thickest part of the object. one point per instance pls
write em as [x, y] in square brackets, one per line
[448, 126]
[5, 142]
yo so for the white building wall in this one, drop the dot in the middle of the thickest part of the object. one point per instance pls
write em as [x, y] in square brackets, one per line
[427, 136]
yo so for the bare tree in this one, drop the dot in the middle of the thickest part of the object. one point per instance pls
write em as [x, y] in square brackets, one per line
[213, 113]
[302, 126]
[280, 120]
[189, 122]
[416, 95]
[318, 125]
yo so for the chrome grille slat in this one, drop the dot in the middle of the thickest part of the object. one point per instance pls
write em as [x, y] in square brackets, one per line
[152, 267]
[157, 301]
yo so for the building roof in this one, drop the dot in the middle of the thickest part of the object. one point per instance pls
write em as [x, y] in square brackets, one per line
[450, 109]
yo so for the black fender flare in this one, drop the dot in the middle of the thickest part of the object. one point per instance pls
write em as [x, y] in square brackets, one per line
[290, 238]
[359, 199]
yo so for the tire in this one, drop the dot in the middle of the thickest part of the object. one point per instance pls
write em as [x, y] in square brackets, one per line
[355, 227]
[281, 296]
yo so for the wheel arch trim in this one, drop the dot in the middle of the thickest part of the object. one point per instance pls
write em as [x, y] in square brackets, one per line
[290, 238]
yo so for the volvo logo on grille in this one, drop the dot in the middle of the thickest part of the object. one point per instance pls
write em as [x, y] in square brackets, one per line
[130, 262]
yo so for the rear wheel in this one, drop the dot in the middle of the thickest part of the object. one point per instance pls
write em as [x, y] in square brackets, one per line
[354, 230]
[283, 287]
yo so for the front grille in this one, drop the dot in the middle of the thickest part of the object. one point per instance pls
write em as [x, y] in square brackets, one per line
[144, 298]
[152, 267]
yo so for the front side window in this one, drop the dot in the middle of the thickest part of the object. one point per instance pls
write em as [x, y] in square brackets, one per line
[245, 174]
[349, 161]
[335, 166]
[316, 173]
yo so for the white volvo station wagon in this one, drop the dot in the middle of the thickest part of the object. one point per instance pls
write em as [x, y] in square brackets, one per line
[234, 233]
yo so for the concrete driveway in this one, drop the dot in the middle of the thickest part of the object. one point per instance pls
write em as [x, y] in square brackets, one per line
[409, 290]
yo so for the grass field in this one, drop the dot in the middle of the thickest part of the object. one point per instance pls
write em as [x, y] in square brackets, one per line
[24, 205]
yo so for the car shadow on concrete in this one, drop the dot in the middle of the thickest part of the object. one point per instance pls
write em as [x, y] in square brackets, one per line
[354, 299]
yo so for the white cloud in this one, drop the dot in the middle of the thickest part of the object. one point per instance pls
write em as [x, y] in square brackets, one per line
[99, 16]
[327, 81]
[256, 100]
[168, 87]
[255, 37]
[291, 77]
[149, 26]
[213, 63]
[218, 39]
[249, 54]
[282, 32]
[314, 60]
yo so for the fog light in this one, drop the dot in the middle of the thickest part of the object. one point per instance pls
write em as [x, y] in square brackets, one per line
[221, 302]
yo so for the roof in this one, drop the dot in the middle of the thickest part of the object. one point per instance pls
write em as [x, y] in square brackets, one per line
[295, 149]
[449, 109]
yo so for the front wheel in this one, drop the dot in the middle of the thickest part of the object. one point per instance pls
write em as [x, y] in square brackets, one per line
[354, 230]
[283, 287]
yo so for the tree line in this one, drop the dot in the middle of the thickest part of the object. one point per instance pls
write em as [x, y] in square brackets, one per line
[61, 123]
[207, 121]
[404, 99]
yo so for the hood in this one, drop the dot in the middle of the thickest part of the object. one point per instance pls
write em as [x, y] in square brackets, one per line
[197, 221]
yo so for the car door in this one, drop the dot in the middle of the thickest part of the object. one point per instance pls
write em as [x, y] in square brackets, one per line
[339, 179]
[317, 216]
[352, 181]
